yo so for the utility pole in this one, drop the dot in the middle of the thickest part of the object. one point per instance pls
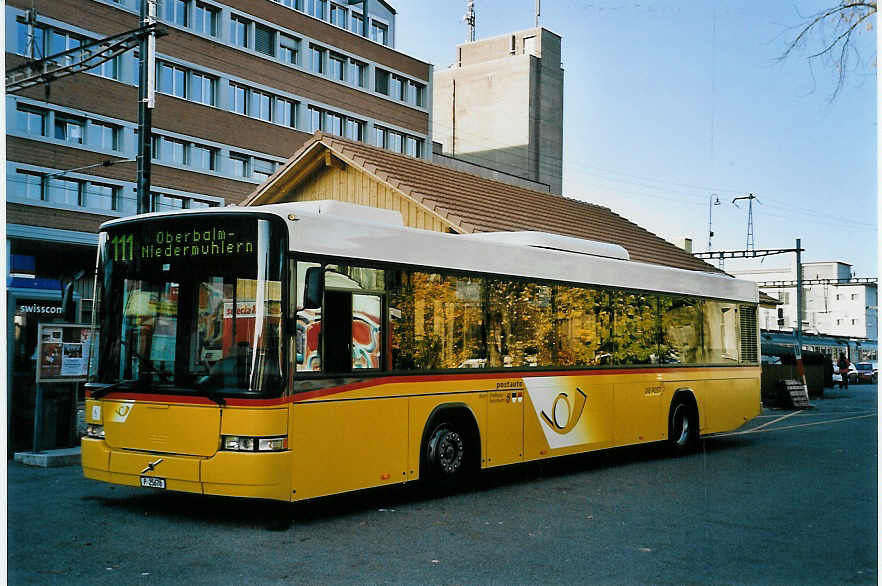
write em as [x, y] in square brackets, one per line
[800, 301]
[146, 103]
[749, 197]
[714, 201]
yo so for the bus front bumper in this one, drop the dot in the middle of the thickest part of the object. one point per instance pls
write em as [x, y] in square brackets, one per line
[244, 474]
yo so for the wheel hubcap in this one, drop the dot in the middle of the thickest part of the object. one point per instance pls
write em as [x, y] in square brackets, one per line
[450, 452]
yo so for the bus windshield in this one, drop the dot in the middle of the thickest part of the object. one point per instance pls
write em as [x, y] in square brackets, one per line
[191, 304]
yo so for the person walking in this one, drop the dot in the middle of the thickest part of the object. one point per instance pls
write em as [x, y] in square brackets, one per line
[843, 365]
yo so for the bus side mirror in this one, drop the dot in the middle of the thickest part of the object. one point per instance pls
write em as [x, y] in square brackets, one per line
[68, 304]
[312, 294]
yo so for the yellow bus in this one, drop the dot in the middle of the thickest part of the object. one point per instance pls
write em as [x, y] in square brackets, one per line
[297, 350]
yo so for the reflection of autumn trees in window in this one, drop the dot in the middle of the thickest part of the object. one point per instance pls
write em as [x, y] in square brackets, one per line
[636, 328]
[444, 321]
[681, 330]
[521, 325]
[582, 326]
[437, 321]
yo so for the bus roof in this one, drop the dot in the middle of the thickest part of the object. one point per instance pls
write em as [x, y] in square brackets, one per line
[350, 231]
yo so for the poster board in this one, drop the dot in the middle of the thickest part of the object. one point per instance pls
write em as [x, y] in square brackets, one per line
[63, 352]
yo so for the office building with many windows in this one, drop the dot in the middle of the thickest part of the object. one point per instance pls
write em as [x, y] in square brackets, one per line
[241, 85]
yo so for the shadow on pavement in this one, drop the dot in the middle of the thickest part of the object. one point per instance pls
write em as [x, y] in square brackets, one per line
[279, 516]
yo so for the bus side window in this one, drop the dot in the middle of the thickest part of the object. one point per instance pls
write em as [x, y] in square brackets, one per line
[338, 331]
[308, 327]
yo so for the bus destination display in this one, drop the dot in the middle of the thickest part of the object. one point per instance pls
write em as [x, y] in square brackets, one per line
[166, 241]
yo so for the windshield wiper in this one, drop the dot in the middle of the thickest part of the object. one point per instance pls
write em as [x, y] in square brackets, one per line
[209, 394]
[98, 393]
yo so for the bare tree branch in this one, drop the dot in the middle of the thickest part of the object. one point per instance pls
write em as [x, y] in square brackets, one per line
[837, 49]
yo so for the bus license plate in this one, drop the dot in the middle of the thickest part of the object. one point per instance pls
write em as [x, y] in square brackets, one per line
[152, 482]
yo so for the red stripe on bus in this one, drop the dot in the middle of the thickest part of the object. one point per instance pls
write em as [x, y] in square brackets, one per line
[318, 393]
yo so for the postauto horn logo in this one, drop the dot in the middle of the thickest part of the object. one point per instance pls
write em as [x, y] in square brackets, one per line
[559, 407]
[564, 416]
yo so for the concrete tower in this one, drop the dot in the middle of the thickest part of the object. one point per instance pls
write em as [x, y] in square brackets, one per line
[500, 106]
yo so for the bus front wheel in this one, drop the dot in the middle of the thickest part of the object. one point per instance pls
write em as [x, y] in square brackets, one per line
[683, 428]
[448, 457]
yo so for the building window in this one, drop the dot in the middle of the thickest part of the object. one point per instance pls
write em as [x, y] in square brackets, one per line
[289, 50]
[356, 24]
[203, 89]
[259, 105]
[175, 11]
[104, 136]
[99, 196]
[239, 31]
[29, 184]
[410, 146]
[31, 120]
[205, 19]
[172, 80]
[394, 141]
[399, 142]
[22, 40]
[108, 69]
[203, 157]
[315, 119]
[165, 203]
[333, 123]
[317, 59]
[338, 15]
[337, 67]
[198, 203]
[838, 322]
[415, 93]
[380, 136]
[854, 322]
[60, 41]
[396, 87]
[264, 40]
[64, 191]
[239, 165]
[838, 296]
[262, 168]
[285, 113]
[317, 8]
[381, 81]
[169, 150]
[854, 296]
[185, 154]
[69, 128]
[358, 73]
[379, 33]
[354, 129]
[237, 98]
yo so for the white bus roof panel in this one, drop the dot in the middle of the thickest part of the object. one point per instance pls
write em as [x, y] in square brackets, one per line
[316, 232]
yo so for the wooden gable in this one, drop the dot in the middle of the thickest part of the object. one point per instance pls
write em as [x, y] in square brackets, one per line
[323, 174]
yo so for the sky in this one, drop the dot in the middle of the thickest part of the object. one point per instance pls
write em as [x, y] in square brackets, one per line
[667, 103]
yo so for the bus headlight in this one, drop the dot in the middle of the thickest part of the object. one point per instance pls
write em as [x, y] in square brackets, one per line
[239, 443]
[94, 430]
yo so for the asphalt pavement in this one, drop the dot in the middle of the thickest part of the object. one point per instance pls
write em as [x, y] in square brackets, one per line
[791, 498]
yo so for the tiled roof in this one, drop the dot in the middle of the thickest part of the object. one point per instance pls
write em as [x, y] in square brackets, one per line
[477, 204]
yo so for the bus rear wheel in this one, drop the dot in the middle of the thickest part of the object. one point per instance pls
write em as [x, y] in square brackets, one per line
[683, 428]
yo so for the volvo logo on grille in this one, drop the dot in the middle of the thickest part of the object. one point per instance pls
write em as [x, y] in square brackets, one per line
[151, 466]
